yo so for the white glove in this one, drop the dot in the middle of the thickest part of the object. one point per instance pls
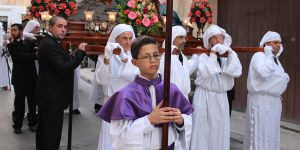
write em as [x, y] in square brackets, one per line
[108, 52]
[268, 51]
[122, 55]
[216, 48]
[223, 49]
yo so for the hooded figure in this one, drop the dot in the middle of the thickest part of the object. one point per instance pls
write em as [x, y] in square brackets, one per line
[117, 73]
[215, 76]
[266, 83]
[181, 67]
[31, 28]
[4, 80]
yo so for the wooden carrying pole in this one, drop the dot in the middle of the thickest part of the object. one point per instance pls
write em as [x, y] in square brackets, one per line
[99, 50]
[168, 38]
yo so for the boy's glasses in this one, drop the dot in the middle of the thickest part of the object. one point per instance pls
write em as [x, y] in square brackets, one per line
[148, 57]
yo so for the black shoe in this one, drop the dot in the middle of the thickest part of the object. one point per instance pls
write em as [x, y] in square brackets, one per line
[17, 131]
[97, 107]
[32, 128]
[76, 112]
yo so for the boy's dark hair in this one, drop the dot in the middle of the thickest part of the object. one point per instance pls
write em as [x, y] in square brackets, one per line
[140, 42]
[19, 26]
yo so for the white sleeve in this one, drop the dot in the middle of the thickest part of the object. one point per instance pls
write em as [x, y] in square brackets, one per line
[102, 72]
[183, 140]
[129, 134]
[262, 65]
[232, 66]
[208, 66]
[193, 63]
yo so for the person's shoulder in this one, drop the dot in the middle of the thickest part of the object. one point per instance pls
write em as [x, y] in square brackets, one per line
[258, 55]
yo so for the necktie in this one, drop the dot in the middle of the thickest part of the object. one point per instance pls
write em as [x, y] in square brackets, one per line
[180, 58]
[275, 60]
[219, 61]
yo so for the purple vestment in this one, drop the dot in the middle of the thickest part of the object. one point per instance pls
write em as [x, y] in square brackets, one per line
[134, 100]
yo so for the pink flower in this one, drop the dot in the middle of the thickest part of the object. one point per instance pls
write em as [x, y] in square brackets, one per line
[190, 14]
[131, 3]
[74, 11]
[198, 13]
[193, 19]
[56, 11]
[201, 6]
[72, 4]
[46, 1]
[62, 5]
[155, 18]
[209, 20]
[132, 15]
[146, 22]
[52, 6]
[202, 20]
[38, 1]
[207, 13]
[68, 12]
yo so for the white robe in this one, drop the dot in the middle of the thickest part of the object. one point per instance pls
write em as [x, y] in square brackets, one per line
[266, 83]
[4, 80]
[211, 121]
[112, 77]
[96, 94]
[76, 94]
[140, 134]
[180, 74]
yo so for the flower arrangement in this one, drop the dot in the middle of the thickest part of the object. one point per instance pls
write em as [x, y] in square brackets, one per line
[200, 13]
[142, 15]
[64, 8]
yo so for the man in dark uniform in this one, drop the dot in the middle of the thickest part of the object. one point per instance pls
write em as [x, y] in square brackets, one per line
[24, 78]
[55, 84]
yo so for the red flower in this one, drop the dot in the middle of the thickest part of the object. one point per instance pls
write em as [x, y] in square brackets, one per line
[201, 6]
[33, 8]
[209, 20]
[38, 1]
[56, 11]
[208, 14]
[37, 14]
[190, 14]
[198, 13]
[202, 20]
[52, 6]
[68, 12]
[62, 5]
[46, 1]
[74, 12]
[138, 22]
[126, 12]
[193, 19]
[72, 4]
[42, 8]
[146, 10]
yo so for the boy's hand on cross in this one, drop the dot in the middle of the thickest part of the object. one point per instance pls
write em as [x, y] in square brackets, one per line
[165, 115]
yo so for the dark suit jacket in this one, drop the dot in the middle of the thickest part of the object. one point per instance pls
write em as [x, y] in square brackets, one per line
[23, 56]
[56, 74]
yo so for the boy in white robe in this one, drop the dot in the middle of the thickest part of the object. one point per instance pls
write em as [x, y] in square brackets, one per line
[135, 111]
[115, 71]
[215, 76]
[266, 83]
[181, 67]
[96, 94]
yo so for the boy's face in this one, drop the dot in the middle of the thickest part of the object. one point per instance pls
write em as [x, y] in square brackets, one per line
[148, 61]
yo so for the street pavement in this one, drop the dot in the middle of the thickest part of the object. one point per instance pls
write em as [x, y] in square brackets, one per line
[86, 126]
